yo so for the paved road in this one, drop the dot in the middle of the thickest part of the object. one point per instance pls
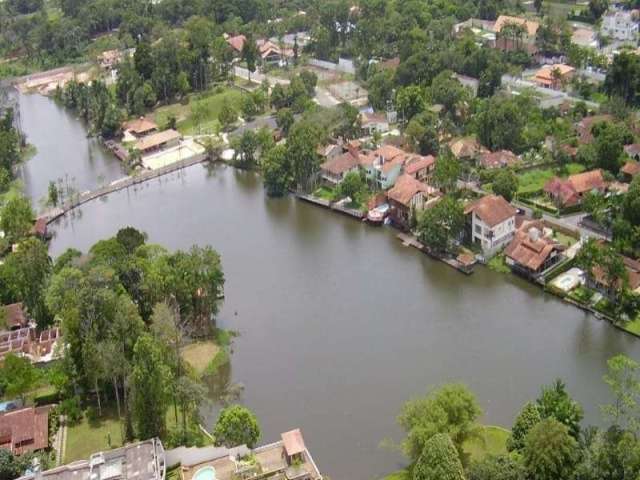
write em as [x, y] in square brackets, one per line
[569, 221]
[545, 92]
[268, 121]
[323, 96]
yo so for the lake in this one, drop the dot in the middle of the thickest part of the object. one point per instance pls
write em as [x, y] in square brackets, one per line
[338, 323]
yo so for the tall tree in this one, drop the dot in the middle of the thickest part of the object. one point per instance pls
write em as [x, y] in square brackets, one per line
[451, 409]
[550, 452]
[623, 379]
[150, 379]
[528, 418]
[250, 54]
[554, 402]
[439, 460]
[25, 272]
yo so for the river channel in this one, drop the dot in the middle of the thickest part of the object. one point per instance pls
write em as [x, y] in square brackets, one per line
[338, 323]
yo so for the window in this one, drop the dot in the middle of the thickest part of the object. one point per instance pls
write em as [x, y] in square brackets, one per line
[478, 229]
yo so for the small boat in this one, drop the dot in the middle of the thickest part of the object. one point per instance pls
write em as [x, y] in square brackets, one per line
[377, 215]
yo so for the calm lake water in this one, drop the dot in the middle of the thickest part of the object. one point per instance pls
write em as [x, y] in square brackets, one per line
[339, 323]
[63, 151]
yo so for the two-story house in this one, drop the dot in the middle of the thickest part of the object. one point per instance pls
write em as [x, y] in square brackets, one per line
[516, 33]
[383, 166]
[335, 169]
[491, 223]
[620, 25]
[409, 195]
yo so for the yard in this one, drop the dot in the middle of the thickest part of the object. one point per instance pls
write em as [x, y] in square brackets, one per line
[534, 180]
[200, 114]
[90, 436]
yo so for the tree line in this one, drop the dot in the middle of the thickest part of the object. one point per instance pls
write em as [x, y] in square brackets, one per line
[547, 440]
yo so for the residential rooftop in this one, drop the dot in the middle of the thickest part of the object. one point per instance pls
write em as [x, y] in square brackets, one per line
[137, 461]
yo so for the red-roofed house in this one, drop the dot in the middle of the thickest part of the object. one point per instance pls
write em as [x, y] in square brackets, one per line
[569, 192]
[237, 42]
[530, 253]
[25, 430]
[491, 223]
[630, 170]
[409, 194]
[383, 165]
[421, 168]
[598, 280]
[334, 170]
[374, 122]
[499, 159]
[554, 76]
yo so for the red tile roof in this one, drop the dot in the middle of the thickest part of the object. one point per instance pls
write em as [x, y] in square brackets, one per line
[25, 430]
[293, 442]
[340, 164]
[631, 168]
[237, 42]
[140, 125]
[417, 163]
[528, 248]
[406, 187]
[569, 191]
[492, 209]
[501, 158]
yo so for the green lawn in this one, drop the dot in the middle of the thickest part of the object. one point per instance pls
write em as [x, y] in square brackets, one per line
[206, 106]
[325, 193]
[492, 441]
[633, 326]
[581, 295]
[534, 180]
[90, 437]
[573, 168]
[563, 239]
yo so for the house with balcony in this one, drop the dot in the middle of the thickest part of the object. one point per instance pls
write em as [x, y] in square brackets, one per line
[620, 25]
[335, 169]
[408, 196]
[383, 165]
[491, 223]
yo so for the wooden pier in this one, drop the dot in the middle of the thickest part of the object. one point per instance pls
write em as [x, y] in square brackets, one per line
[120, 184]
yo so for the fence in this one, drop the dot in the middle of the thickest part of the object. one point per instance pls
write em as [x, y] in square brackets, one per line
[344, 65]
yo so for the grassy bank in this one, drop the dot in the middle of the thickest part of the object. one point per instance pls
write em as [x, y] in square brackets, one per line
[198, 355]
[200, 113]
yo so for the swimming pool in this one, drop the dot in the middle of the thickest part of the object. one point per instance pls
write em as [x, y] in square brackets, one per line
[205, 473]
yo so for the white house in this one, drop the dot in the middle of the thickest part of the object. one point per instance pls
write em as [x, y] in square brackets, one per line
[374, 122]
[383, 165]
[492, 223]
[620, 25]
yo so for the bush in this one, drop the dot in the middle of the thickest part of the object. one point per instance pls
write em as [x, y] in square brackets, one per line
[70, 408]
